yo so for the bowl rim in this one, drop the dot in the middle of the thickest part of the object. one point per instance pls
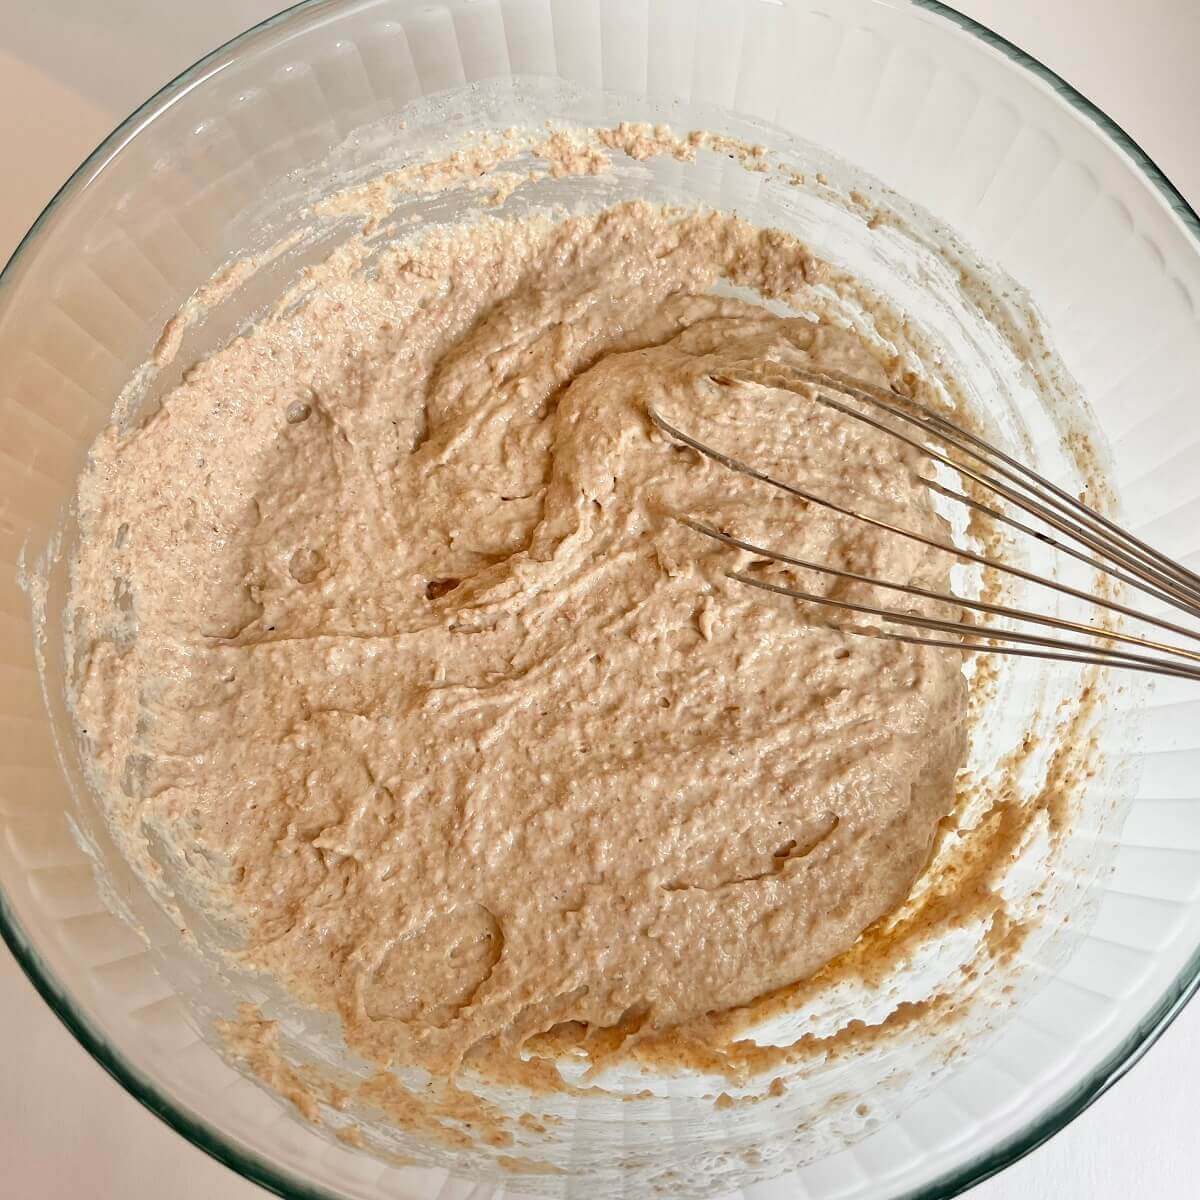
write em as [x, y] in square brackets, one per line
[279, 1180]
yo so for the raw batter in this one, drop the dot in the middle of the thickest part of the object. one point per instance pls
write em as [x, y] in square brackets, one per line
[385, 629]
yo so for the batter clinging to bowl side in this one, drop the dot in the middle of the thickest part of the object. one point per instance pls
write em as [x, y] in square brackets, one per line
[383, 625]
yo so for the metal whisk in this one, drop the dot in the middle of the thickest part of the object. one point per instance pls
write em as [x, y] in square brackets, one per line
[1079, 531]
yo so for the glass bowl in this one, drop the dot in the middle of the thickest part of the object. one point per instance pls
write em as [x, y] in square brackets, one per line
[951, 117]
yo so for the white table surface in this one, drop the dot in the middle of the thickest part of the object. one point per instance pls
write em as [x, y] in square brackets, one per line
[69, 70]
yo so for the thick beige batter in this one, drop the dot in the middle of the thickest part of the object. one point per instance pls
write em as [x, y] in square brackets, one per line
[383, 623]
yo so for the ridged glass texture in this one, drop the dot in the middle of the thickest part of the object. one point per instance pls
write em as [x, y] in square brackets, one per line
[953, 118]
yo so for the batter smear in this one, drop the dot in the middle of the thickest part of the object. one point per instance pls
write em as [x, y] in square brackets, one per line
[386, 631]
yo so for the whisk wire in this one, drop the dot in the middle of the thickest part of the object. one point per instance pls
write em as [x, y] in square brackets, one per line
[913, 589]
[1104, 654]
[961, 552]
[1122, 556]
[1133, 560]
[1012, 469]
[1054, 544]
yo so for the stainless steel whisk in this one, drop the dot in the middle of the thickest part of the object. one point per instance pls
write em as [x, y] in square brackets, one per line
[1079, 531]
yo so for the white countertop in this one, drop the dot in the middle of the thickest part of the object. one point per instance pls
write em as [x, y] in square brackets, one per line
[71, 69]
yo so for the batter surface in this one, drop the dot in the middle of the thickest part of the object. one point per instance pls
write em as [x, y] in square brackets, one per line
[388, 640]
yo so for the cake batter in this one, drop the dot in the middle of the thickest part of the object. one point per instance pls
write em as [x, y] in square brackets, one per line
[386, 629]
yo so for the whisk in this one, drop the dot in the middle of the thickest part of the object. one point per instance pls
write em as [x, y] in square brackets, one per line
[1078, 531]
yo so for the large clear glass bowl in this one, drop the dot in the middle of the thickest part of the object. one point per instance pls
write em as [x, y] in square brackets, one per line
[952, 117]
